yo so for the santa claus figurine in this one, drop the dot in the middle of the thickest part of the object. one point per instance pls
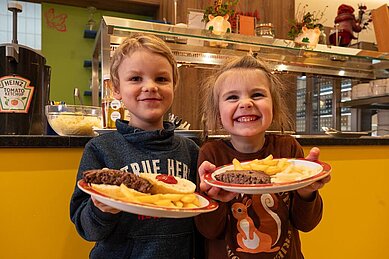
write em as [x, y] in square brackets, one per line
[346, 24]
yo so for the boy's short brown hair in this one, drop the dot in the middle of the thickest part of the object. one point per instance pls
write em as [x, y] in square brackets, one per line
[141, 41]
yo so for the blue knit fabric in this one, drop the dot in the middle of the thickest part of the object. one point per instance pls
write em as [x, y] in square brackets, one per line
[126, 235]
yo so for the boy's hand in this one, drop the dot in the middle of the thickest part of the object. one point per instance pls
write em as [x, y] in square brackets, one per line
[213, 192]
[103, 207]
[307, 192]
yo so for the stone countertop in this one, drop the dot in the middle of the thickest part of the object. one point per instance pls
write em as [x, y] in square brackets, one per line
[49, 141]
[39, 141]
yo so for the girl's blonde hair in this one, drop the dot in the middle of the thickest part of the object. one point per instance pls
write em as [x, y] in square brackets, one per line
[210, 103]
[141, 42]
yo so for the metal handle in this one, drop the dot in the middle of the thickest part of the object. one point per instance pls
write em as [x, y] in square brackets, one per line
[77, 94]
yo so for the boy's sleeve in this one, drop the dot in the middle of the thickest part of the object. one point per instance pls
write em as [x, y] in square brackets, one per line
[211, 225]
[91, 223]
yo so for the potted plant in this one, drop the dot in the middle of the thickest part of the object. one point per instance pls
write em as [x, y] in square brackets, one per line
[218, 8]
[307, 26]
[216, 16]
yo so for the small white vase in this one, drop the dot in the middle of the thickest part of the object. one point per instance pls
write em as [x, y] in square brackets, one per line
[218, 25]
[308, 37]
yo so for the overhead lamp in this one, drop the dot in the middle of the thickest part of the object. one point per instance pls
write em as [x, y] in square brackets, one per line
[207, 57]
[281, 67]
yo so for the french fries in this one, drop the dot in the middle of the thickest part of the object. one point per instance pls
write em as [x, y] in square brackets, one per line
[164, 200]
[281, 170]
[109, 190]
[268, 165]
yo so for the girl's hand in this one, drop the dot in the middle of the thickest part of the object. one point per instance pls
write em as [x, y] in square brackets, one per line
[308, 191]
[213, 192]
[103, 207]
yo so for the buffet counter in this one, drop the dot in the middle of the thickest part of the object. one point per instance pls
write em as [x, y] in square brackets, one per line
[51, 141]
[38, 175]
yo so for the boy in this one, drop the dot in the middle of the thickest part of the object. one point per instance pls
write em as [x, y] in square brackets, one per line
[144, 74]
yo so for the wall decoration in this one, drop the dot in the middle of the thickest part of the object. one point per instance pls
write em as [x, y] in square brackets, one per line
[57, 22]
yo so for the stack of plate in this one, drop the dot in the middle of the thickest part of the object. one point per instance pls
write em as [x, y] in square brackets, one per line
[361, 91]
[382, 122]
[379, 87]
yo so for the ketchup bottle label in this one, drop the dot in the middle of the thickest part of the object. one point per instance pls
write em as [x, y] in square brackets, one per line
[15, 94]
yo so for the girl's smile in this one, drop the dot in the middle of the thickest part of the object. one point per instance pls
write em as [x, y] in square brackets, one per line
[247, 118]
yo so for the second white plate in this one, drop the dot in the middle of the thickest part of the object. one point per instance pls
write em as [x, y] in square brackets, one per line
[321, 170]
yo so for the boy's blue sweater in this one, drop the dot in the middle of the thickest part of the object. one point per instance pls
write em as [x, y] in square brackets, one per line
[126, 235]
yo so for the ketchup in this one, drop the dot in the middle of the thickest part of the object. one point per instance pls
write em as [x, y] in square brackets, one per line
[166, 179]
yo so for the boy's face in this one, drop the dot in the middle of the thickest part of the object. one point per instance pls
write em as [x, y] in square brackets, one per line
[145, 88]
[245, 102]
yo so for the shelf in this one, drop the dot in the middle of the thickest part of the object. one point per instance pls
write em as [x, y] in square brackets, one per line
[89, 93]
[88, 34]
[196, 48]
[376, 102]
[323, 60]
[88, 64]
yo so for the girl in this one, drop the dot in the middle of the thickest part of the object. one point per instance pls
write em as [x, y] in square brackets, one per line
[144, 74]
[244, 98]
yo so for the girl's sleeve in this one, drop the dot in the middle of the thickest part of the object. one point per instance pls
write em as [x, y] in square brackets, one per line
[305, 215]
[213, 224]
[91, 223]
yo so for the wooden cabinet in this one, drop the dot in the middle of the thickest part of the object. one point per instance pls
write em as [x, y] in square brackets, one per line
[381, 25]
[148, 8]
[277, 12]
[196, 61]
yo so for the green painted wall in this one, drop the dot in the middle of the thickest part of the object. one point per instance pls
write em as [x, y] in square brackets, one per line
[66, 50]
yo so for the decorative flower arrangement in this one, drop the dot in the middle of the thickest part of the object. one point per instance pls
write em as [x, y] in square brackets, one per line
[364, 16]
[220, 9]
[306, 19]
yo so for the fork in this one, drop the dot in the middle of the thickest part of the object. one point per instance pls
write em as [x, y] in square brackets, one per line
[174, 119]
[184, 126]
[178, 122]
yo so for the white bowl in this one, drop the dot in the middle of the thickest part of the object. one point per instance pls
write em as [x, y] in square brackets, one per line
[73, 120]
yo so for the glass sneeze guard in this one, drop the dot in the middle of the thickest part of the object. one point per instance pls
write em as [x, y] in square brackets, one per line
[279, 53]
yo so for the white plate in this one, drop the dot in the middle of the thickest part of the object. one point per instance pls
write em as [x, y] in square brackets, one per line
[102, 131]
[321, 170]
[347, 134]
[188, 133]
[206, 205]
[336, 50]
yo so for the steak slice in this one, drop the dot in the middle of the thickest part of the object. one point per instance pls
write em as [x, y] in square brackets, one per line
[117, 177]
[243, 177]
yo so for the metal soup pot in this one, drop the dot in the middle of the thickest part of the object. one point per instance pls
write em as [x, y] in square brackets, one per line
[24, 90]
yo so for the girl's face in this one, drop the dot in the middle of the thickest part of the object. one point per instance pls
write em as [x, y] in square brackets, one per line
[145, 88]
[245, 102]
